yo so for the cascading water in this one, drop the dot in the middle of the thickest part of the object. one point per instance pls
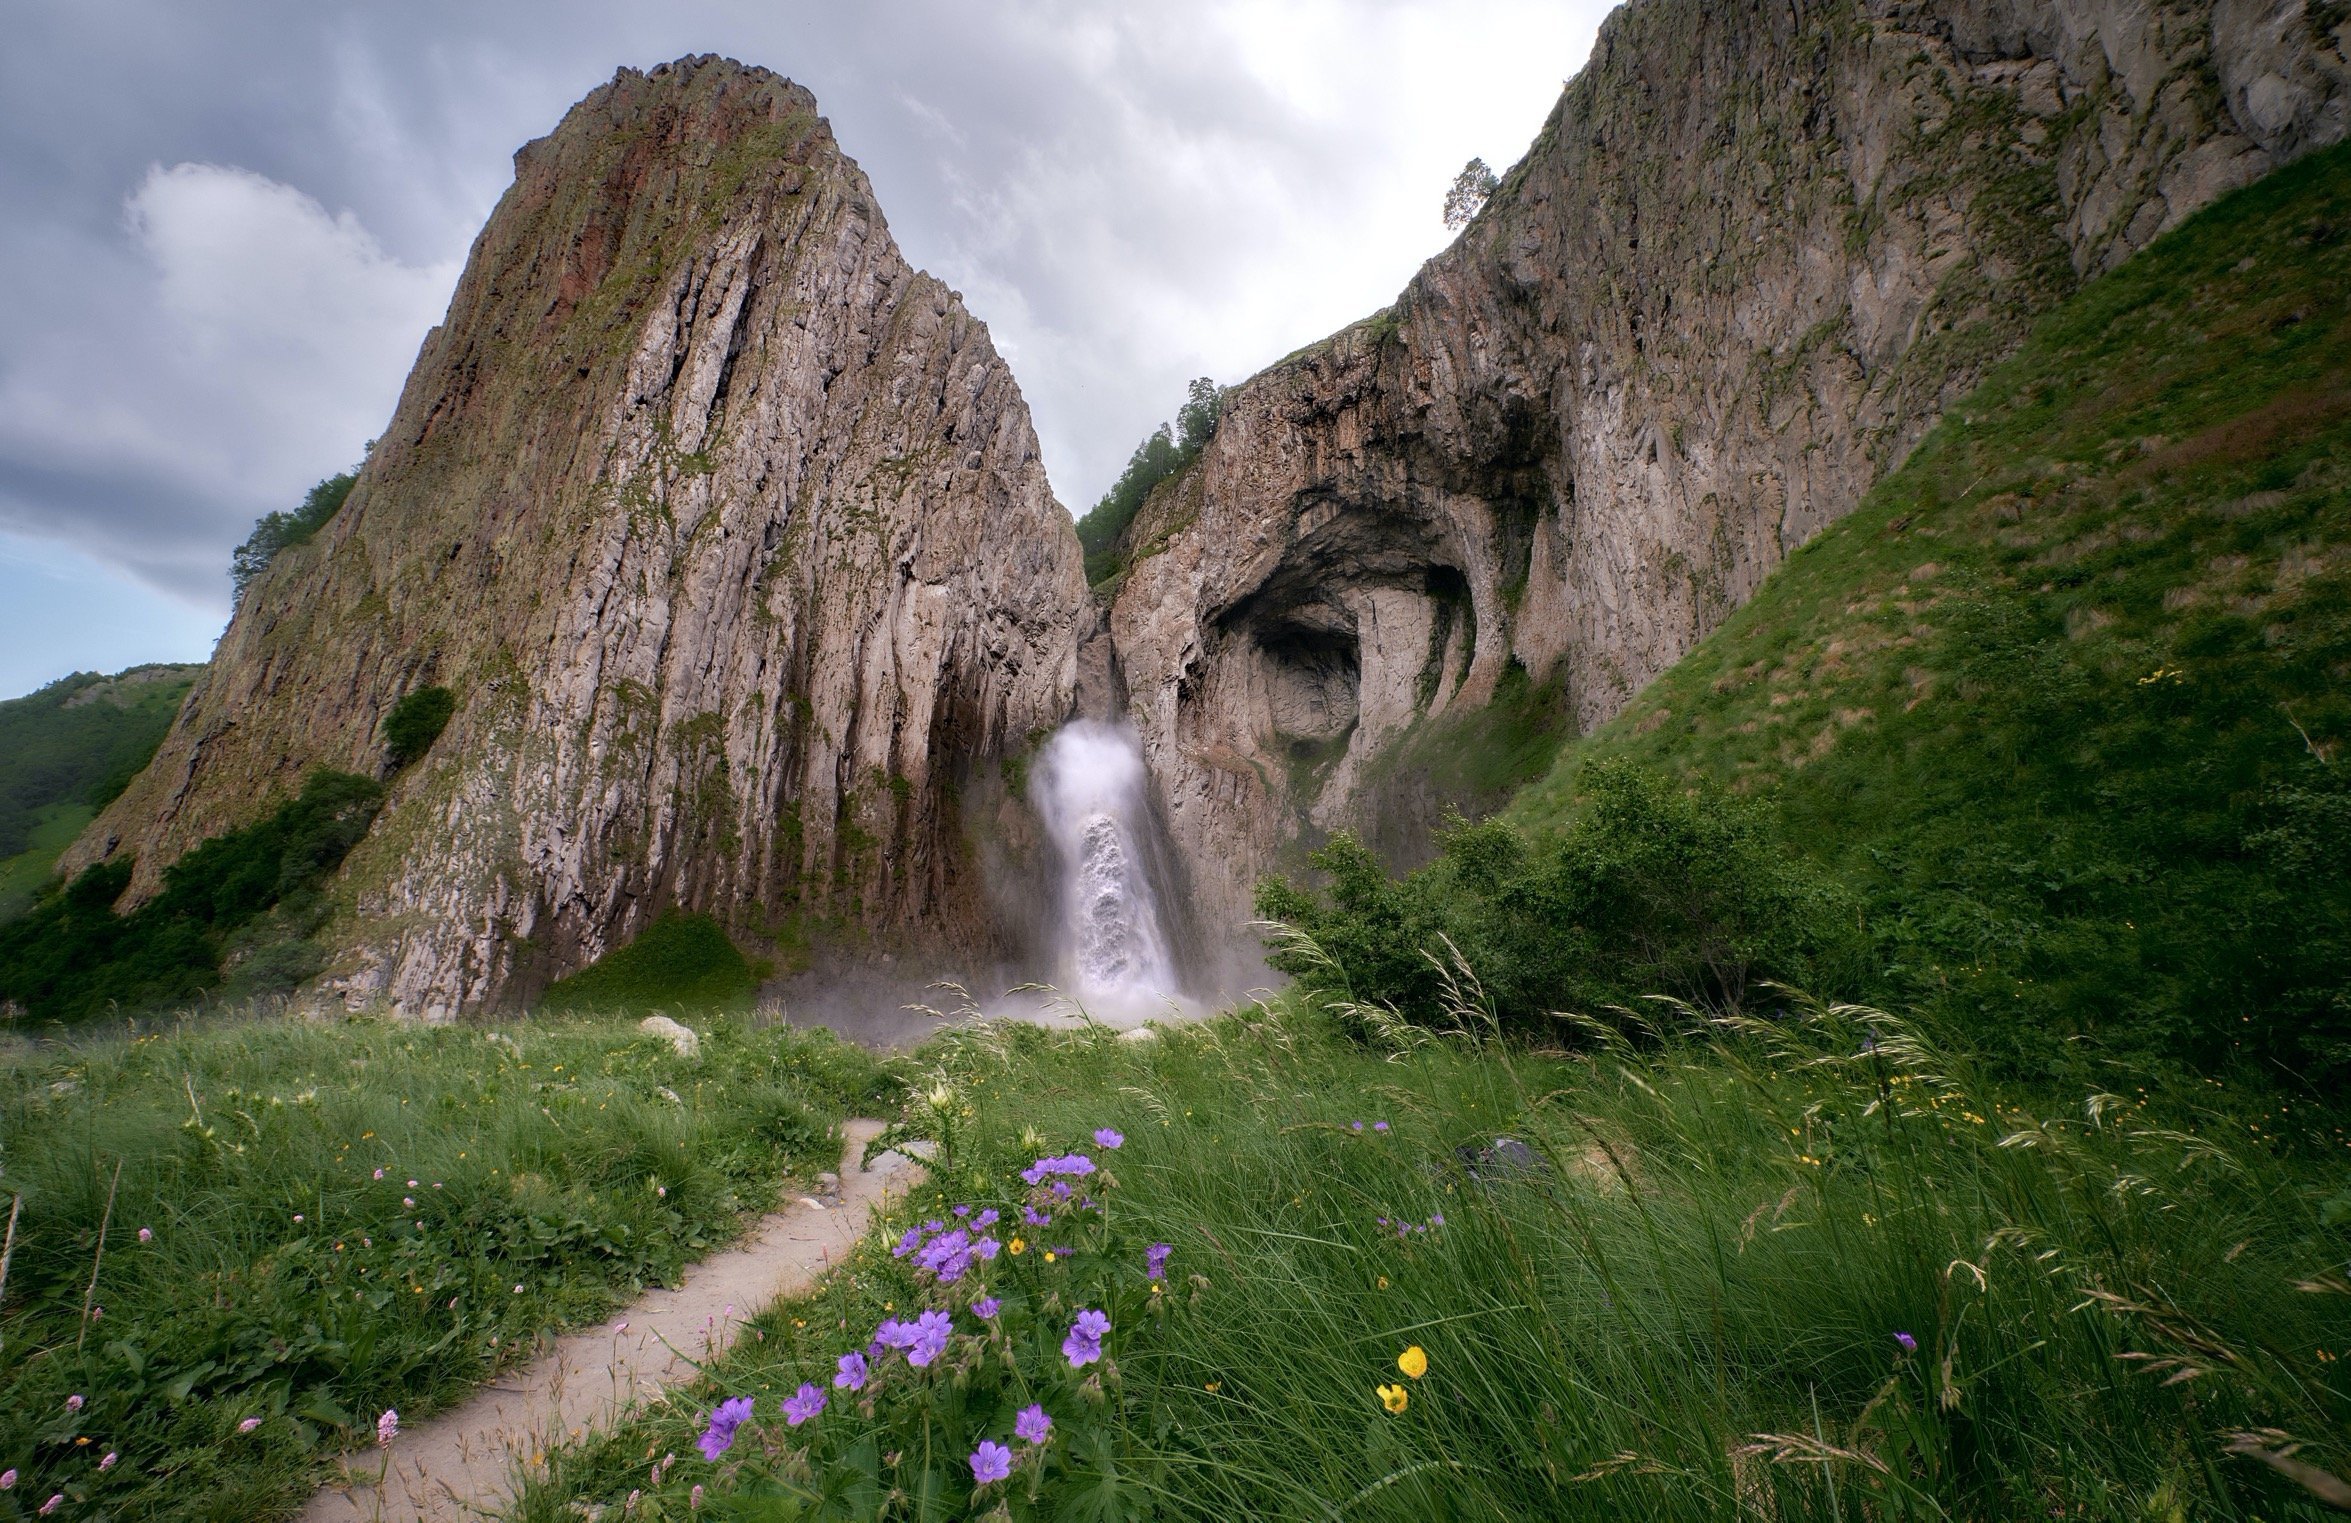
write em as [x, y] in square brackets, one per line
[1088, 786]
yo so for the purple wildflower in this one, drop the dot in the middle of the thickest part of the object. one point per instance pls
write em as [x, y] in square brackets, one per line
[719, 1437]
[803, 1404]
[930, 1338]
[1909, 1344]
[963, 1210]
[907, 1244]
[947, 1255]
[7, 1478]
[986, 1249]
[1084, 1344]
[1032, 1425]
[986, 1307]
[1107, 1138]
[984, 1220]
[388, 1425]
[1035, 1217]
[850, 1372]
[1355, 1126]
[892, 1333]
[990, 1462]
[1155, 1260]
[1061, 1189]
[1438, 1220]
[1379, 1126]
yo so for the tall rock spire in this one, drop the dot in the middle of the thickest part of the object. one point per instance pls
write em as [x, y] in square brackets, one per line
[730, 533]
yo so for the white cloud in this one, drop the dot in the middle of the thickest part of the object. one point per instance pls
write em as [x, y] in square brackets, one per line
[1128, 194]
[254, 344]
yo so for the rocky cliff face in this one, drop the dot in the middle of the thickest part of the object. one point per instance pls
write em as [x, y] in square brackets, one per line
[730, 533]
[1754, 253]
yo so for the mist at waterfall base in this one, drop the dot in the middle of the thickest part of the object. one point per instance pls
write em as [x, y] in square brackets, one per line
[1113, 947]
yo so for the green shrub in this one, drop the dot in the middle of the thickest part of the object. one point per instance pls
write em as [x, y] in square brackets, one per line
[680, 959]
[1651, 890]
[72, 957]
[415, 722]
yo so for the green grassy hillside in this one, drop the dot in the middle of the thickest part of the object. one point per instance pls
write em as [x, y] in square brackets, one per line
[67, 750]
[2063, 706]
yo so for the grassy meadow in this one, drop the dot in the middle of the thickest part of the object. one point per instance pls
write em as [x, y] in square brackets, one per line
[1798, 1269]
[240, 1241]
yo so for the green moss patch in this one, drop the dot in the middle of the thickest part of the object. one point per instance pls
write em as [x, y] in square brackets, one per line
[678, 960]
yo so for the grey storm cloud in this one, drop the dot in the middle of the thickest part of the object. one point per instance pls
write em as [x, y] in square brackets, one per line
[224, 229]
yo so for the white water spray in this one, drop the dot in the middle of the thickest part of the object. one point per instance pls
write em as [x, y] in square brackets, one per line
[1089, 788]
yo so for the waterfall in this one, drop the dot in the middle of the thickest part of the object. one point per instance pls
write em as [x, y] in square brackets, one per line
[1088, 786]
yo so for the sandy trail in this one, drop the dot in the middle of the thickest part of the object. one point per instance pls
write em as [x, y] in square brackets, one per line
[463, 1463]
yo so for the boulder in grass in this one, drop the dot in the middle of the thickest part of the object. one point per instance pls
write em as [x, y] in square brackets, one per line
[680, 1038]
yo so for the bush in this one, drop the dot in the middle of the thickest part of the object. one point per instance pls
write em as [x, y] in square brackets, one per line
[415, 722]
[1650, 891]
[72, 957]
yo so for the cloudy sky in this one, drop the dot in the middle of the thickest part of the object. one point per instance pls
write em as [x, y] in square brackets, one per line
[225, 228]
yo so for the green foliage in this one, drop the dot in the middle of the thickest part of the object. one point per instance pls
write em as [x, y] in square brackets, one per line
[77, 743]
[1163, 455]
[284, 1278]
[679, 960]
[1650, 891]
[2064, 701]
[72, 957]
[415, 722]
[1683, 1304]
[275, 533]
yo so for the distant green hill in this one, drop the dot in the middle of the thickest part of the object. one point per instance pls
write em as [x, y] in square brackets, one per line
[2064, 704]
[65, 752]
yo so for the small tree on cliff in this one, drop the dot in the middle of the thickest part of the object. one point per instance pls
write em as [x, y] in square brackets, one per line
[1469, 194]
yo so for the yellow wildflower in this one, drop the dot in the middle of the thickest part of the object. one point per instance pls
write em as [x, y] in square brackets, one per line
[1395, 1398]
[1413, 1362]
[1016, 1246]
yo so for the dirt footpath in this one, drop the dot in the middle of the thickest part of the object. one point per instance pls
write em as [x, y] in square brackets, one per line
[462, 1464]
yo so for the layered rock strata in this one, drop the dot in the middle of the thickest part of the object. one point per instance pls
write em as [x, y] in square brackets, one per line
[729, 531]
[1754, 253]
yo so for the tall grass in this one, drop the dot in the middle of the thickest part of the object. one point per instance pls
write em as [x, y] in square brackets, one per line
[1696, 1299]
[253, 1266]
